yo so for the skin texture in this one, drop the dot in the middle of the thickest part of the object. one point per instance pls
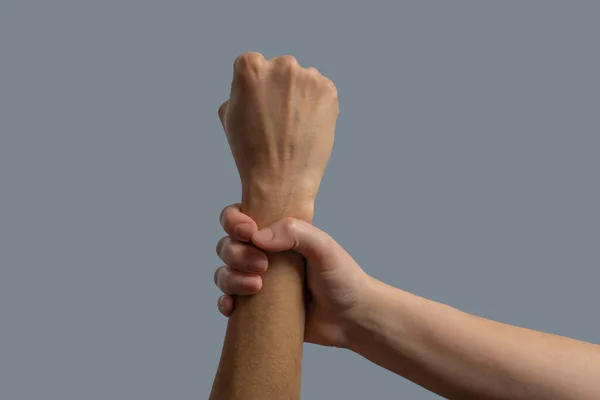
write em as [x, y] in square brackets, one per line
[279, 121]
[447, 351]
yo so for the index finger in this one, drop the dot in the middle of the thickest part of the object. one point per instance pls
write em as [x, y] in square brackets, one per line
[237, 224]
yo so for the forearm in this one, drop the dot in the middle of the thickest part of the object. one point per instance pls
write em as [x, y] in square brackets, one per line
[262, 351]
[462, 356]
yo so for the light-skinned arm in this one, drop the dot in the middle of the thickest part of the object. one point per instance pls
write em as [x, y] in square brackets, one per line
[462, 356]
[452, 353]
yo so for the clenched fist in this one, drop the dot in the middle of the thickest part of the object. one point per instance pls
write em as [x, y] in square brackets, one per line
[280, 122]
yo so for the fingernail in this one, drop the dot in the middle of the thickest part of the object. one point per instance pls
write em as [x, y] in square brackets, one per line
[264, 235]
[220, 303]
[243, 230]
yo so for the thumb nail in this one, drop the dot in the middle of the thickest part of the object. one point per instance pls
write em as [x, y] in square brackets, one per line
[264, 235]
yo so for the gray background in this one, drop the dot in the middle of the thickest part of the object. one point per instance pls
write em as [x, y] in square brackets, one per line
[464, 170]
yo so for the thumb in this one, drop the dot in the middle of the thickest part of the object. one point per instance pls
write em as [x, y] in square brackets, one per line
[297, 235]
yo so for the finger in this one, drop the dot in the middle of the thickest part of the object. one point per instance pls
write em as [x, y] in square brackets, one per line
[236, 223]
[235, 282]
[297, 235]
[222, 112]
[241, 256]
[225, 304]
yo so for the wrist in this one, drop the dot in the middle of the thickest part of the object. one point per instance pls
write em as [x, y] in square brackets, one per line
[386, 312]
[363, 321]
[266, 202]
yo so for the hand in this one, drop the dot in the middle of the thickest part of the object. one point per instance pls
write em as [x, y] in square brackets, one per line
[335, 280]
[280, 122]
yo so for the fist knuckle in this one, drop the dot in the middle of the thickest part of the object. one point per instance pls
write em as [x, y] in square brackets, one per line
[222, 109]
[314, 77]
[222, 215]
[225, 219]
[287, 64]
[288, 61]
[216, 276]
[248, 59]
[289, 225]
[219, 246]
[223, 248]
[248, 64]
[228, 215]
[331, 88]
